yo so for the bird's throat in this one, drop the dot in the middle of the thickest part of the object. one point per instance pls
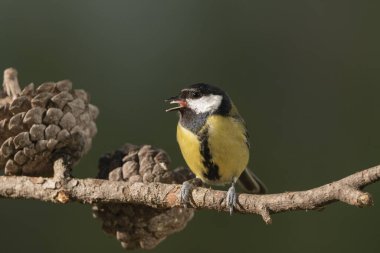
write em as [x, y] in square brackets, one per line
[192, 121]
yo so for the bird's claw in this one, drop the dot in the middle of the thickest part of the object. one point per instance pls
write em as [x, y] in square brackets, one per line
[231, 198]
[186, 189]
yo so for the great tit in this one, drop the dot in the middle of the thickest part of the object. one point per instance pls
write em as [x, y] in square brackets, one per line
[213, 140]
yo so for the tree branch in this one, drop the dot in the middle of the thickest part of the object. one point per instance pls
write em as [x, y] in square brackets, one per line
[62, 189]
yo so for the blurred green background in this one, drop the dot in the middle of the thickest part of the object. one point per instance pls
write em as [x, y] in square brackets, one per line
[304, 74]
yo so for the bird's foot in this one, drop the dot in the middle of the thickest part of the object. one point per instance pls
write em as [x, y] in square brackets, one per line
[186, 189]
[231, 198]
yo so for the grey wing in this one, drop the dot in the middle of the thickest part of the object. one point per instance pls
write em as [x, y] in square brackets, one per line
[246, 134]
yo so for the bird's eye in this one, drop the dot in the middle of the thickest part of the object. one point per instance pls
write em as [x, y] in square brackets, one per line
[195, 94]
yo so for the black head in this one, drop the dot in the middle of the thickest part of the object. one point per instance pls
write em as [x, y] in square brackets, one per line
[200, 89]
[201, 98]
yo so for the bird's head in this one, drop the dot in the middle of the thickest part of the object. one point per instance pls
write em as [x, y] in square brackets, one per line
[200, 98]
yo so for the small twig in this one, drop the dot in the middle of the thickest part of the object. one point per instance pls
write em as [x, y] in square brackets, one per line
[62, 189]
[10, 83]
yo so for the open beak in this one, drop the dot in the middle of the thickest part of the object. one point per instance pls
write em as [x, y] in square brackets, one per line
[176, 100]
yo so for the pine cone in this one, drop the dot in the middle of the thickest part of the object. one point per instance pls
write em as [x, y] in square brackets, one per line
[138, 226]
[38, 124]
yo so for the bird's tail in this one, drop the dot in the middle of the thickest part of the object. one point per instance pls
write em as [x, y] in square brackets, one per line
[251, 183]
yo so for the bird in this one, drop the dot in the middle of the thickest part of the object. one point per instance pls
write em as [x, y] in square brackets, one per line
[213, 140]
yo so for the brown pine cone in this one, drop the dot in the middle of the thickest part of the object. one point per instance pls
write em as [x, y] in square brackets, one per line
[138, 226]
[38, 124]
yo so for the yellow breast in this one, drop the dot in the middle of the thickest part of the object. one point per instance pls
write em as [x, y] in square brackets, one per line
[227, 146]
[190, 149]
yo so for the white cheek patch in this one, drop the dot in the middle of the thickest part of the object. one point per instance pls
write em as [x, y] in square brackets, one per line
[205, 104]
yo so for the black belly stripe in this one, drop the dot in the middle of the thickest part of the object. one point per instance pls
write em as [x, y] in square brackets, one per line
[212, 168]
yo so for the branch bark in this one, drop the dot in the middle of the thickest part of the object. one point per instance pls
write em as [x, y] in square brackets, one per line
[63, 189]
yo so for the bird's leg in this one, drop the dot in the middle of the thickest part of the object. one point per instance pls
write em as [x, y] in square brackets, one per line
[186, 189]
[231, 196]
